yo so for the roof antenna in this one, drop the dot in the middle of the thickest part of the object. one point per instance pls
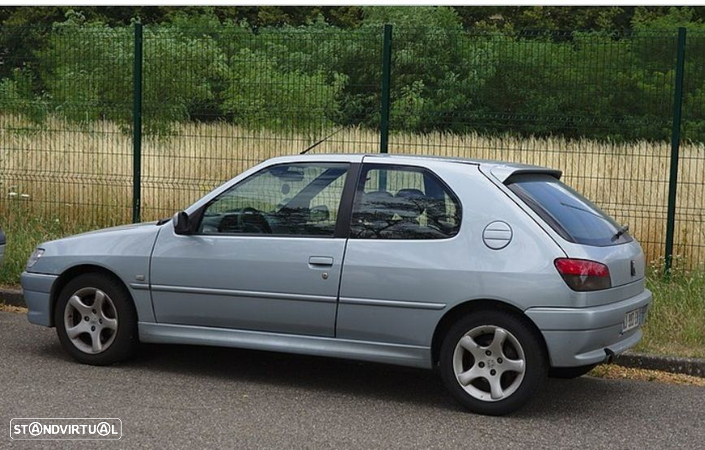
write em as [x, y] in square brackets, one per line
[321, 141]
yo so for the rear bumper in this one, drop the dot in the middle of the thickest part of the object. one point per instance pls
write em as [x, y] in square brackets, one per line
[582, 336]
[36, 288]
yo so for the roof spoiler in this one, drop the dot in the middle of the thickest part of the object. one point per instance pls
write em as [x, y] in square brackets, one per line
[502, 173]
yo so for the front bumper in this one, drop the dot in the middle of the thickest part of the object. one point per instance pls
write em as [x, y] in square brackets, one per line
[582, 336]
[36, 288]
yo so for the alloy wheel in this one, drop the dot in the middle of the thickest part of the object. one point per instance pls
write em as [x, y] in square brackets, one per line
[489, 363]
[90, 320]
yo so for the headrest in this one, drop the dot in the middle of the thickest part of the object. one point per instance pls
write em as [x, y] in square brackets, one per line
[410, 203]
[376, 206]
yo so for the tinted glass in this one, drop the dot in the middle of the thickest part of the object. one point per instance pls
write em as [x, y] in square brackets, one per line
[287, 199]
[570, 214]
[395, 202]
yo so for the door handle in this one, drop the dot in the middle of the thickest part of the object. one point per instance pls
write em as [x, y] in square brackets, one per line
[320, 261]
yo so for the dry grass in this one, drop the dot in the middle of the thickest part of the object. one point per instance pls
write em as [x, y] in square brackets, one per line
[83, 175]
[4, 307]
[615, 372]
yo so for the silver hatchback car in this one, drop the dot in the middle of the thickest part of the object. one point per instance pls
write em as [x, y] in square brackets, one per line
[496, 274]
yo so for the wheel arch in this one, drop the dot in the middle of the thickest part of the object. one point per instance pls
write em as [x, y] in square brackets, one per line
[74, 271]
[470, 306]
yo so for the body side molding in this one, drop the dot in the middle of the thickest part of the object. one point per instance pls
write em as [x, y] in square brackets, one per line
[240, 293]
[391, 303]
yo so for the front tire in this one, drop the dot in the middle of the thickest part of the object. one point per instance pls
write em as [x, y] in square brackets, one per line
[96, 320]
[492, 362]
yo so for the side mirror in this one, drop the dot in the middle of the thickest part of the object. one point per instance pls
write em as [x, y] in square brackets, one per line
[319, 214]
[181, 223]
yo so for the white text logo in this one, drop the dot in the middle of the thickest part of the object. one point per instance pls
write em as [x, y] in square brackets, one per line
[69, 429]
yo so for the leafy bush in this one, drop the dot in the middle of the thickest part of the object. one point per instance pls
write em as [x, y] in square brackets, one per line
[603, 85]
[262, 95]
[436, 70]
[86, 69]
[17, 97]
[182, 76]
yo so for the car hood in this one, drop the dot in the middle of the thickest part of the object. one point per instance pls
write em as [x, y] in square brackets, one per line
[123, 250]
[119, 228]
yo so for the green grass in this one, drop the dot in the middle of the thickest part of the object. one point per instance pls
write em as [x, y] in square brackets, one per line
[23, 235]
[675, 326]
[676, 322]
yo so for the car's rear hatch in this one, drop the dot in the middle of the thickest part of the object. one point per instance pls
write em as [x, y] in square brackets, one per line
[583, 231]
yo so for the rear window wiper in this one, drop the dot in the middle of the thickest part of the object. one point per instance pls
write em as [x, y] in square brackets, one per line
[623, 229]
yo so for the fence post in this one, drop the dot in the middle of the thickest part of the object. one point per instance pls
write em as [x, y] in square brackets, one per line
[137, 127]
[386, 83]
[675, 148]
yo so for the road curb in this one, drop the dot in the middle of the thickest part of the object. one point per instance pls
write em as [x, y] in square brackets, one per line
[12, 297]
[687, 366]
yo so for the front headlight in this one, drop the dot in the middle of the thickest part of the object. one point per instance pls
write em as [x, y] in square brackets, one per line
[35, 257]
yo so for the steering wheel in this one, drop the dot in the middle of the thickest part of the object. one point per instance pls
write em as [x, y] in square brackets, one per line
[246, 220]
[253, 219]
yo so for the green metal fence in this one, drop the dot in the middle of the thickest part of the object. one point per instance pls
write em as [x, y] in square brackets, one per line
[65, 148]
[102, 125]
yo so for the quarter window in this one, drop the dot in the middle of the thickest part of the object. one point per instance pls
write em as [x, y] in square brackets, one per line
[286, 199]
[402, 202]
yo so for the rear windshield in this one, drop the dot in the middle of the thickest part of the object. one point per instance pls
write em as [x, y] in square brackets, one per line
[570, 214]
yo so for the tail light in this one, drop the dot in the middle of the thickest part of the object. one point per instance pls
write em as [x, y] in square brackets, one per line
[583, 275]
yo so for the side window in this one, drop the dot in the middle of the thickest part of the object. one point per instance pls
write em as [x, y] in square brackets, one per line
[287, 199]
[401, 202]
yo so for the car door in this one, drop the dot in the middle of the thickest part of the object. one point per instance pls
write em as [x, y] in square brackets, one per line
[266, 254]
[401, 253]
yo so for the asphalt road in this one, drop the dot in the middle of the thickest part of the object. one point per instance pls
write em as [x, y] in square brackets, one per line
[194, 397]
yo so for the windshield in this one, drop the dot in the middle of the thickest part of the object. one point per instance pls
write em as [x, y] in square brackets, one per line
[570, 214]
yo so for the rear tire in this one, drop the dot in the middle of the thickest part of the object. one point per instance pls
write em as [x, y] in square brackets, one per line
[492, 362]
[568, 373]
[96, 320]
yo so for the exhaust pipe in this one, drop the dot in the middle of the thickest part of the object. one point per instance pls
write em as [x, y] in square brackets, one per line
[609, 356]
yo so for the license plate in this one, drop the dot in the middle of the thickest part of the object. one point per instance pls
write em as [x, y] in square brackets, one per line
[632, 319]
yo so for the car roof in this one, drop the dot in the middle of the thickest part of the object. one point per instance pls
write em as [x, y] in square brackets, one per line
[502, 170]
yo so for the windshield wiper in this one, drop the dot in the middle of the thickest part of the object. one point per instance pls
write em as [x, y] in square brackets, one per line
[623, 229]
